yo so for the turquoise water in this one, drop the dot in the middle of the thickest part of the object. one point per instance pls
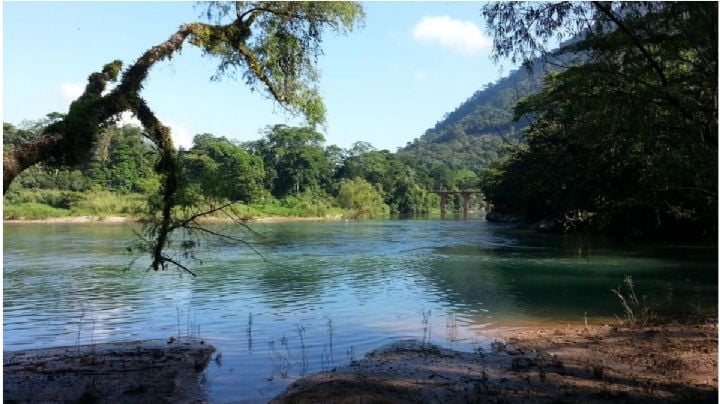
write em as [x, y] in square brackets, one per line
[322, 294]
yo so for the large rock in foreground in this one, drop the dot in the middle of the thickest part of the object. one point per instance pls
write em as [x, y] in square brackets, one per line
[663, 363]
[402, 372]
[151, 371]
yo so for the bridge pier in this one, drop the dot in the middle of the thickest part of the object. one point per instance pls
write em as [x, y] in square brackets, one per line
[466, 204]
[443, 204]
[465, 194]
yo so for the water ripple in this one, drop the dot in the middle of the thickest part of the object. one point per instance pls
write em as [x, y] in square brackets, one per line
[331, 292]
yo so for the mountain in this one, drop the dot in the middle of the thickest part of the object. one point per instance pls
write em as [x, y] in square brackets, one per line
[469, 136]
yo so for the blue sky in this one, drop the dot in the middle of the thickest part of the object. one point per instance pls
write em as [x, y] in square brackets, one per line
[385, 83]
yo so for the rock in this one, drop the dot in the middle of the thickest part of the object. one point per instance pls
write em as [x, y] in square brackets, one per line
[495, 216]
[550, 226]
[150, 371]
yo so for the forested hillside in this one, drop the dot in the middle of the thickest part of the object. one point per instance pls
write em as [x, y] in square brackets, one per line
[469, 136]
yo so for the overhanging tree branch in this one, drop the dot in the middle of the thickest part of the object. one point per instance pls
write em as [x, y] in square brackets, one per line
[263, 56]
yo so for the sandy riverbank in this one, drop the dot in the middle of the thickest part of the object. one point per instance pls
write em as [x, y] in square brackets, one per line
[664, 363]
[75, 219]
[128, 219]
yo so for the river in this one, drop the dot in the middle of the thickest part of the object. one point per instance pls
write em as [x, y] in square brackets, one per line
[321, 294]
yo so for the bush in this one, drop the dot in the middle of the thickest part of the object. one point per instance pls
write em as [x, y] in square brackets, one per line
[308, 203]
[32, 211]
[44, 203]
[362, 198]
[105, 203]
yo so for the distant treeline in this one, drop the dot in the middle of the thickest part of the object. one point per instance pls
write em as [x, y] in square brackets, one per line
[289, 169]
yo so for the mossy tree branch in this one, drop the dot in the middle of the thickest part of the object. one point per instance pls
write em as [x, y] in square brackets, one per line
[274, 44]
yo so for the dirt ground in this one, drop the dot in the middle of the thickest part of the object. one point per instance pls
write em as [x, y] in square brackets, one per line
[152, 371]
[664, 363]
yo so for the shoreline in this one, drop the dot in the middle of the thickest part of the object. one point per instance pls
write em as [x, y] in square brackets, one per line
[116, 219]
[599, 363]
[554, 363]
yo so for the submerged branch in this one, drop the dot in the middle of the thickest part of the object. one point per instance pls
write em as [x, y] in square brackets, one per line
[177, 264]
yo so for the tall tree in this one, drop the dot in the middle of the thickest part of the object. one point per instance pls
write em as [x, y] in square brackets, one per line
[216, 169]
[273, 45]
[122, 160]
[628, 138]
[295, 158]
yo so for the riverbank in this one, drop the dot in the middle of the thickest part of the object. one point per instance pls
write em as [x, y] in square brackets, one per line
[670, 362]
[150, 371]
[130, 219]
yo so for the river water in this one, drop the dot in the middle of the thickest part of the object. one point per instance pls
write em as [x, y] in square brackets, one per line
[321, 294]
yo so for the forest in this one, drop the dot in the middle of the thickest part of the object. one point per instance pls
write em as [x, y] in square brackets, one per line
[615, 132]
[288, 172]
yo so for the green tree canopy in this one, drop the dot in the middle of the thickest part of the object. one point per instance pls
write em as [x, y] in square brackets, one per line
[216, 169]
[628, 139]
[362, 198]
[295, 159]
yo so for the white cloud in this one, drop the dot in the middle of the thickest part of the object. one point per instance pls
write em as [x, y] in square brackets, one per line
[462, 36]
[128, 118]
[180, 134]
[421, 75]
[71, 91]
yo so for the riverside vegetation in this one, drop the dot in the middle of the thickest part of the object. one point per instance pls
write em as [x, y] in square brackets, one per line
[289, 172]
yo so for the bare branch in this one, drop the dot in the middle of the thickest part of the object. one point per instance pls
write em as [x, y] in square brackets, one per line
[198, 215]
[177, 264]
[226, 237]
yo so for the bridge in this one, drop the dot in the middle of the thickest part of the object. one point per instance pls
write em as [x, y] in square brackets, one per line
[466, 193]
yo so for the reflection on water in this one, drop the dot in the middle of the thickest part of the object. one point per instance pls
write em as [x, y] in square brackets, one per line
[326, 293]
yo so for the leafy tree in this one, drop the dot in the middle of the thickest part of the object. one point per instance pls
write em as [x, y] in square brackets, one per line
[295, 159]
[466, 179]
[362, 198]
[626, 141]
[366, 162]
[13, 137]
[407, 197]
[387, 171]
[216, 169]
[272, 45]
[122, 161]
